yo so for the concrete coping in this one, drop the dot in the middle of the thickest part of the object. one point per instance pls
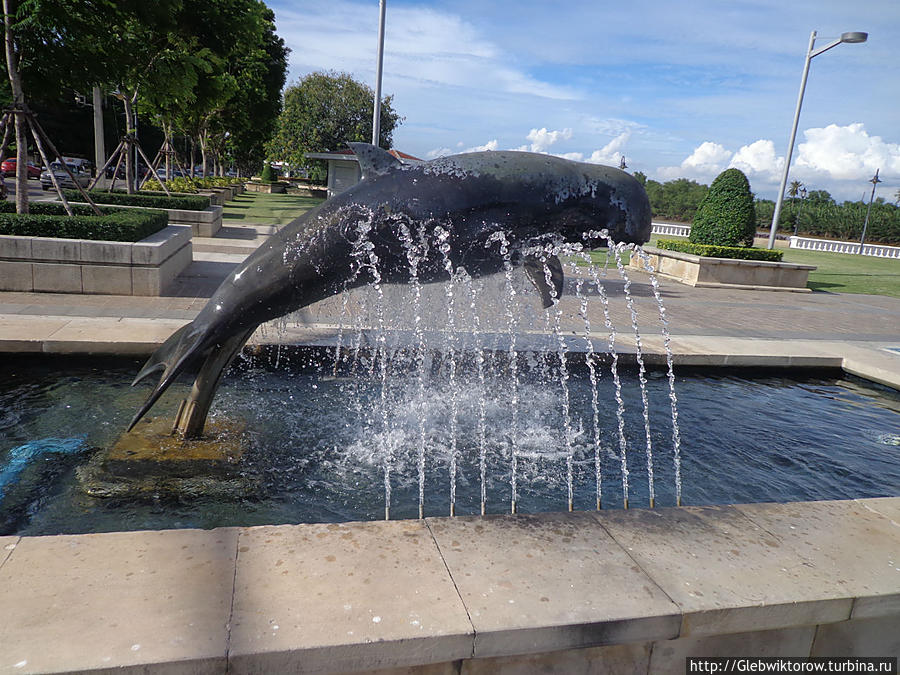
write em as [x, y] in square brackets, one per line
[330, 598]
[710, 260]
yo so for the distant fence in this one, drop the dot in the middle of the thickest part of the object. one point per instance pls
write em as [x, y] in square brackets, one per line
[671, 230]
[877, 250]
[806, 243]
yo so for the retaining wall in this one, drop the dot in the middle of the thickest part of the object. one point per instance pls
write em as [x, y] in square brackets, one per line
[709, 272]
[146, 267]
[606, 592]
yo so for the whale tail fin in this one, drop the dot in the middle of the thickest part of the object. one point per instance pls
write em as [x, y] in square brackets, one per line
[173, 356]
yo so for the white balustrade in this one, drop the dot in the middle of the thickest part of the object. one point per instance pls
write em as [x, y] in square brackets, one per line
[831, 246]
[671, 229]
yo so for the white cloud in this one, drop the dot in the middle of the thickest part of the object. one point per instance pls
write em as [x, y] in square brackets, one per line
[541, 139]
[705, 163]
[612, 152]
[438, 152]
[490, 145]
[758, 159]
[846, 153]
[423, 46]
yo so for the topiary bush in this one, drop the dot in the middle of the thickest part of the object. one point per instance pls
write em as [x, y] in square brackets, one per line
[726, 216]
[267, 175]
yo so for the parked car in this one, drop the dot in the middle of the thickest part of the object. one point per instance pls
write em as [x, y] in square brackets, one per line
[9, 169]
[82, 177]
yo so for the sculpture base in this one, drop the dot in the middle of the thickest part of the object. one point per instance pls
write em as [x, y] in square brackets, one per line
[152, 461]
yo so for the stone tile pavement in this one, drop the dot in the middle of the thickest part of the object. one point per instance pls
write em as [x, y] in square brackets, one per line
[708, 326]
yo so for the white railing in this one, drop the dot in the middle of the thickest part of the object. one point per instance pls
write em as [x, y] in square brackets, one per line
[877, 250]
[672, 230]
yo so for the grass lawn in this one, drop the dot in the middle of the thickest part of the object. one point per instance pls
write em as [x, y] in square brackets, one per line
[849, 273]
[260, 208]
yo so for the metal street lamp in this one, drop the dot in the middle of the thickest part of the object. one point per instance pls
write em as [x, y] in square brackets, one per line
[853, 37]
[874, 181]
[803, 194]
[376, 110]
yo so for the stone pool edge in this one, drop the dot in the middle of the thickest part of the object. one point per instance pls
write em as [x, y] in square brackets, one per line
[639, 588]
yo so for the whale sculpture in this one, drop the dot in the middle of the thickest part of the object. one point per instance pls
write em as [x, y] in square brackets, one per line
[462, 200]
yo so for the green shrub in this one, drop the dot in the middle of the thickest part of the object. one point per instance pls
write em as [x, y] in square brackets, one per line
[180, 185]
[736, 252]
[726, 216]
[49, 219]
[150, 201]
[267, 175]
[216, 181]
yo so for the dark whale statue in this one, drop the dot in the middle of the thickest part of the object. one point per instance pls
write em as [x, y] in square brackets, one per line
[463, 200]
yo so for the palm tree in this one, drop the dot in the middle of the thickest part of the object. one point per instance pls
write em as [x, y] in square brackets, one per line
[897, 196]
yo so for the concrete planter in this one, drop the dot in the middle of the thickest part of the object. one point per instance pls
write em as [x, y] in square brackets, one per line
[203, 223]
[269, 188]
[703, 271]
[216, 197]
[146, 267]
[308, 191]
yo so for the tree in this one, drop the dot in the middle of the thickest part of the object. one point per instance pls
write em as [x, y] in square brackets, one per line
[726, 216]
[235, 105]
[323, 112]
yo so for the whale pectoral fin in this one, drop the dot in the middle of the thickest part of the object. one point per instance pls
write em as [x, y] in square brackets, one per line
[536, 269]
[373, 160]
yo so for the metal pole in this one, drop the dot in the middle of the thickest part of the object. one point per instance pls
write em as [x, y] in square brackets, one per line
[790, 149]
[99, 144]
[376, 114]
[875, 181]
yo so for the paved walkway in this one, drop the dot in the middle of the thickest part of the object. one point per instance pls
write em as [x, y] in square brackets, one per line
[708, 326]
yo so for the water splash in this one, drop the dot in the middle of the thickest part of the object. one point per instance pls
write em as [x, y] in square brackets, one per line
[619, 250]
[670, 370]
[512, 328]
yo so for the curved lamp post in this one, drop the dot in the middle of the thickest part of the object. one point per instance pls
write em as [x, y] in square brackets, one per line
[853, 37]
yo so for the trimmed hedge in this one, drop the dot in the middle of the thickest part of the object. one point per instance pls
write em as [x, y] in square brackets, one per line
[735, 252]
[150, 201]
[726, 216]
[49, 219]
[177, 185]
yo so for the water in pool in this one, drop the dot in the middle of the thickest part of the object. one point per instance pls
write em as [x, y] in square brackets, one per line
[323, 448]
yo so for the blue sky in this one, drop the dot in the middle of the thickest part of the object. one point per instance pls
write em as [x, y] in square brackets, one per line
[681, 88]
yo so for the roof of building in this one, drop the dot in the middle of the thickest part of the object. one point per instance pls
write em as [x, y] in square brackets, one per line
[347, 153]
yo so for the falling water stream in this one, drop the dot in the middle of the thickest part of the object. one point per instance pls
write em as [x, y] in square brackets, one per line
[578, 446]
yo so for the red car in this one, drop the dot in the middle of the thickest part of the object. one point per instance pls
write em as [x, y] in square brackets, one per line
[9, 169]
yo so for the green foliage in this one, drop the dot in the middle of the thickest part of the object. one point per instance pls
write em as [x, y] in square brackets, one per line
[213, 69]
[323, 112]
[150, 201]
[819, 216]
[709, 250]
[726, 216]
[49, 219]
[215, 181]
[179, 185]
[267, 175]
[675, 199]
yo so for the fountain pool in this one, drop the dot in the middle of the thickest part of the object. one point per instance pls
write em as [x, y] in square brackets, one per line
[318, 444]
